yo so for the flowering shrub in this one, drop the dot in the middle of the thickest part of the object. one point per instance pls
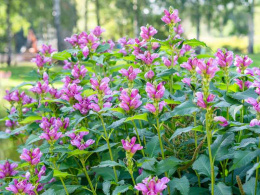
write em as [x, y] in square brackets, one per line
[152, 117]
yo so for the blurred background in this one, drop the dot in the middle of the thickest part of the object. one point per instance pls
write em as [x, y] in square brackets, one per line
[26, 24]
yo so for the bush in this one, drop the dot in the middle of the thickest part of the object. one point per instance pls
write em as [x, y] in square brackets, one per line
[150, 117]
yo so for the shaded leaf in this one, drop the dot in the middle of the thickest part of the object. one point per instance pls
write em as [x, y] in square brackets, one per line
[222, 189]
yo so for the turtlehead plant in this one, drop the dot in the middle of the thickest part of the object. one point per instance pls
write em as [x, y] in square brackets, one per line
[148, 117]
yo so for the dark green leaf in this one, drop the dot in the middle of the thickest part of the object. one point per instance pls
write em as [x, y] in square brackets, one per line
[222, 189]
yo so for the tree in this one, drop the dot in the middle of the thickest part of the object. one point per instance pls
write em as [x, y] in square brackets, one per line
[56, 14]
[251, 26]
[8, 31]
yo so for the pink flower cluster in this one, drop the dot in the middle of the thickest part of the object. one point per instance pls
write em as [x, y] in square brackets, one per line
[147, 32]
[168, 63]
[224, 58]
[246, 84]
[149, 75]
[47, 49]
[41, 61]
[130, 99]
[22, 187]
[242, 63]
[208, 69]
[83, 104]
[8, 169]
[32, 156]
[256, 106]
[222, 121]
[130, 146]
[15, 96]
[78, 141]
[70, 91]
[79, 72]
[171, 18]
[131, 73]
[153, 185]
[147, 58]
[200, 100]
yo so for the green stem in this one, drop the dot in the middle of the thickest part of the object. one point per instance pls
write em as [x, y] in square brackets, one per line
[108, 145]
[138, 137]
[88, 178]
[133, 181]
[67, 193]
[208, 131]
[257, 169]
[195, 132]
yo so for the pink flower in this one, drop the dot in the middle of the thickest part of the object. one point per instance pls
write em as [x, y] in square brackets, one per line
[47, 49]
[155, 92]
[98, 31]
[186, 81]
[79, 72]
[191, 64]
[167, 62]
[147, 57]
[130, 146]
[152, 186]
[149, 74]
[252, 101]
[200, 99]
[224, 58]
[254, 122]
[207, 69]
[41, 88]
[242, 63]
[83, 104]
[171, 18]
[130, 99]
[153, 109]
[69, 91]
[41, 60]
[240, 84]
[147, 32]
[178, 30]
[222, 120]
[249, 71]
[131, 73]
[85, 51]
[51, 135]
[8, 169]
[22, 187]
[31, 156]
[78, 141]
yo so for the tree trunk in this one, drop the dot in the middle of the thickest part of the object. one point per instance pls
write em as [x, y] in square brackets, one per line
[56, 9]
[251, 28]
[97, 12]
[8, 31]
[86, 15]
[136, 17]
[198, 26]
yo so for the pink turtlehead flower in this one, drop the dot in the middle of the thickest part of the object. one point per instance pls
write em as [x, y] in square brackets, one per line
[256, 70]
[224, 58]
[83, 104]
[207, 69]
[16, 96]
[51, 135]
[147, 32]
[149, 74]
[22, 187]
[73, 40]
[8, 169]
[69, 92]
[152, 186]
[167, 62]
[155, 92]
[222, 120]
[130, 99]
[249, 71]
[254, 103]
[79, 72]
[41, 60]
[242, 63]
[78, 141]
[130, 146]
[85, 51]
[98, 31]
[155, 45]
[31, 156]
[190, 65]
[171, 18]
[247, 84]
[153, 109]
[254, 122]
[178, 30]
[67, 65]
[101, 86]
[41, 88]
[186, 81]
[131, 73]
[47, 49]
[200, 99]
[147, 57]
[10, 123]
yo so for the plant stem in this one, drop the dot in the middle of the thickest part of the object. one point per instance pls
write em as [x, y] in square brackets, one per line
[88, 178]
[133, 181]
[67, 193]
[208, 131]
[108, 145]
[138, 137]
[257, 169]
[195, 133]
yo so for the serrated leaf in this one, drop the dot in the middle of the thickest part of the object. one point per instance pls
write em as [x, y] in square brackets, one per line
[168, 101]
[30, 119]
[179, 131]
[102, 48]
[137, 117]
[182, 185]
[117, 123]
[249, 187]
[202, 166]
[251, 171]
[57, 173]
[222, 189]
[121, 189]
[167, 72]
[166, 165]
[147, 164]
[106, 172]
[78, 152]
[49, 192]
[104, 147]
[32, 138]
[64, 55]
[153, 147]
[194, 43]
[108, 163]
[246, 94]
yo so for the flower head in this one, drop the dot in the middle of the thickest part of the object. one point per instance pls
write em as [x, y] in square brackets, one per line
[131, 73]
[130, 99]
[147, 32]
[47, 49]
[200, 99]
[155, 91]
[242, 63]
[208, 69]
[98, 31]
[22, 187]
[78, 141]
[147, 58]
[222, 120]
[41, 61]
[130, 146]
[171, 17]
[31, 156]
[8, 169]
[224, 58]
[149, 75]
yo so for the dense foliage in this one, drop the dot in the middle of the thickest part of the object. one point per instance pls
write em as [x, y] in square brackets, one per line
[151, 117]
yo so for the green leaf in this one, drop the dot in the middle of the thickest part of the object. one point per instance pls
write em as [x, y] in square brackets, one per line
[4, 135]
[234, 109]
[18, 130]
[181, 185]
[106, 187]
[59, 189]
[166, 165]
[57, 173]
[186, 108]
[108, 163]
[102, 48]
[121, 110]
[249, 187]
[147, 164]
[121, 189]
[167, 72]
[137, 117]
[88, 92]
[222, 189]
[21, 85]
[242, 158]
[194, 43]
[104, 147]
[78, 152]
[201, 56]
[168, 101]
[117, 123]
[32, 138]
[183, 130]
[49, 192]
[221, 145]
[244, 95]
[251, 171]
[30, 119]
[64, 55]
[202, 166]
[106, 172]
[198, 191]
[153, 147]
